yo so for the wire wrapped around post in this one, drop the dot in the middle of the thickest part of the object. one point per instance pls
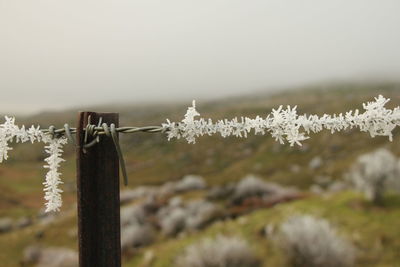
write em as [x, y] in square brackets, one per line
[102, 129]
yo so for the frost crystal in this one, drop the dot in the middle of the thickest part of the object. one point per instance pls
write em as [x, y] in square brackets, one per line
[287, 125]
[10, 132]
[52, 192]
[282, 124]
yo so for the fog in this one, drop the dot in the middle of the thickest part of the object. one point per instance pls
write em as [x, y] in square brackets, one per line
[58, 54]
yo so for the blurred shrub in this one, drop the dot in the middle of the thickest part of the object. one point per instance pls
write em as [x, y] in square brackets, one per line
[133, 214]
[251, 186]
[201, 213]
[129, 195]
[136, 235]
[50, 257]
[374, 172]
[195, 215]
[189, 183]
[172, 222]
[312, 242]
[220, 192]
[219, 252]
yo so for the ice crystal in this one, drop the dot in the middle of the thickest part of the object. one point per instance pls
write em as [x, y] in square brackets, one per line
[283, 124]
[9, 132]
[52, 192]
[286, 125]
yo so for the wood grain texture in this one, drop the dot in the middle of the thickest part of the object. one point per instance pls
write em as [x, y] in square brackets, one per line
[98, 197]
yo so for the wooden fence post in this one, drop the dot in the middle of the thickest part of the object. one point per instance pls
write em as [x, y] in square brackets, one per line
[98, 197]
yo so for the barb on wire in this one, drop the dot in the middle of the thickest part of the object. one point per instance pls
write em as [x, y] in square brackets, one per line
[100, 130]
[103, 129]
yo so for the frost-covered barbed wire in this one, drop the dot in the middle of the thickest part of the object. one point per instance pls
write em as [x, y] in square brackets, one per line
[52, 192]
[282, 124]
[287, 125]
[9, 132]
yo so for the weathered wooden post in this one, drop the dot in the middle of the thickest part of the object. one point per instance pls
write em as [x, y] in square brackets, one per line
[98, 197]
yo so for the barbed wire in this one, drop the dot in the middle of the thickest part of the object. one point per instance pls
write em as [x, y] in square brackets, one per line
[125, 129]
[283, 124]
[102, 129]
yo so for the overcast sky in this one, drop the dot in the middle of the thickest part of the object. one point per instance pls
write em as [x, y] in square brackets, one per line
[70, 53]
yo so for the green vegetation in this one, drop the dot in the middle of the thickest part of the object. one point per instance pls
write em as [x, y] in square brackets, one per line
[152, 160]
[374, 231]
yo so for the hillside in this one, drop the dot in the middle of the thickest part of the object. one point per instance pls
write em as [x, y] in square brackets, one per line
[152, 160]
[374, 231]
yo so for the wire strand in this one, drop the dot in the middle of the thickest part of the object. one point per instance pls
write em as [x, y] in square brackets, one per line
[100, 130]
